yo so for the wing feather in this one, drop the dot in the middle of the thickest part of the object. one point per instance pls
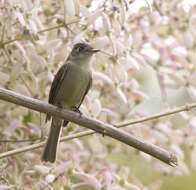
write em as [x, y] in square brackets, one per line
[57, 82]
[56, 85]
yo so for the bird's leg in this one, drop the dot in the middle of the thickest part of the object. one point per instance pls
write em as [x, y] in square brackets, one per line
[65, 123]
[59, 105]
[77, 110]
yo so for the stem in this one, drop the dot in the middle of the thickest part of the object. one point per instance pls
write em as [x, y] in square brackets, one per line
[187, 107]
[44, 30]
[41, 144]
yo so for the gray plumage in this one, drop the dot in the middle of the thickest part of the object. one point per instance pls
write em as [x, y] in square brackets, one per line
[69, 87]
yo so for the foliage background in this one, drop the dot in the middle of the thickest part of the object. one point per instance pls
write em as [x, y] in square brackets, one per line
[149, 67]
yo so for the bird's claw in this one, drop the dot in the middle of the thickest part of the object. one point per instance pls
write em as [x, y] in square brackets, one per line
[78, 111]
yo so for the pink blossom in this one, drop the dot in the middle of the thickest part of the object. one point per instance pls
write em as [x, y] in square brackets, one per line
[69, 7]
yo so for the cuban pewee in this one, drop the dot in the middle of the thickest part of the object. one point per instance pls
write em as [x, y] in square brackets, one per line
[69, 87]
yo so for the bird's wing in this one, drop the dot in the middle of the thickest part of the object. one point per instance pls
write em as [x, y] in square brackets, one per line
[56, 84]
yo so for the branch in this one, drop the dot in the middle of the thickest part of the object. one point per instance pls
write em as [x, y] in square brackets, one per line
[187, 107]
[90, 132]
[52, 28]
[38, 145]
[19, 141]
[42, 31]
[95, 125]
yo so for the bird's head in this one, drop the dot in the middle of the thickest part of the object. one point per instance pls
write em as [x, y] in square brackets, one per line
[82, 52]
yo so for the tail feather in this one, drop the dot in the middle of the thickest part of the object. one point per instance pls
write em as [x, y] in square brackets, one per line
[53, 141]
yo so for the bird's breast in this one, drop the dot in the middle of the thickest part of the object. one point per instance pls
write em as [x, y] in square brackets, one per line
[73, 86]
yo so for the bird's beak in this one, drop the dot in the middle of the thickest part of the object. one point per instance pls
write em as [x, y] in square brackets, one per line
[95, 50]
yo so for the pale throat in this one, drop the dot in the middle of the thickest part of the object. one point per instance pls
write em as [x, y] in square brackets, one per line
[83, 61]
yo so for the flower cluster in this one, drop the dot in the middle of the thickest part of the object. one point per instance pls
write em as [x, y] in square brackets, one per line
[147, 65]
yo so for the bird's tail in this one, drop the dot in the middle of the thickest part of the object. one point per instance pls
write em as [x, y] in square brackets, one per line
[53, 141]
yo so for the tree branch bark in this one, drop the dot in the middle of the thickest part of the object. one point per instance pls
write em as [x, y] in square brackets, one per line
[95, 125]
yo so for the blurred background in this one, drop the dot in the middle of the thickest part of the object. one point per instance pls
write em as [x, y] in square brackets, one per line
[147, 66]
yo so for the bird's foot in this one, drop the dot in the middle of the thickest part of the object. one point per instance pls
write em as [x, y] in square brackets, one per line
[78, 111]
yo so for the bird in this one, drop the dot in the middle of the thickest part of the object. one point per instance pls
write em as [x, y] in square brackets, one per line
[69, 87]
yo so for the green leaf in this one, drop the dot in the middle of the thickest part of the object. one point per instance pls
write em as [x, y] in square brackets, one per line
[47, 11]
[35, 37]
[27, 118]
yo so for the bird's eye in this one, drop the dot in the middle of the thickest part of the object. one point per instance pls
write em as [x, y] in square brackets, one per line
[80, 48]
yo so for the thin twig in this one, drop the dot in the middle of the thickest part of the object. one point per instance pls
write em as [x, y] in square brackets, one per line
[64, 12]
[106, 53]
[19, 141]
[38, 145]
[73, 22]
[7, 54]
[95, 125]
[3, 32]
[44, 30]
[10, 41]
[156, 116]
[52, 28]
[27, 86]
